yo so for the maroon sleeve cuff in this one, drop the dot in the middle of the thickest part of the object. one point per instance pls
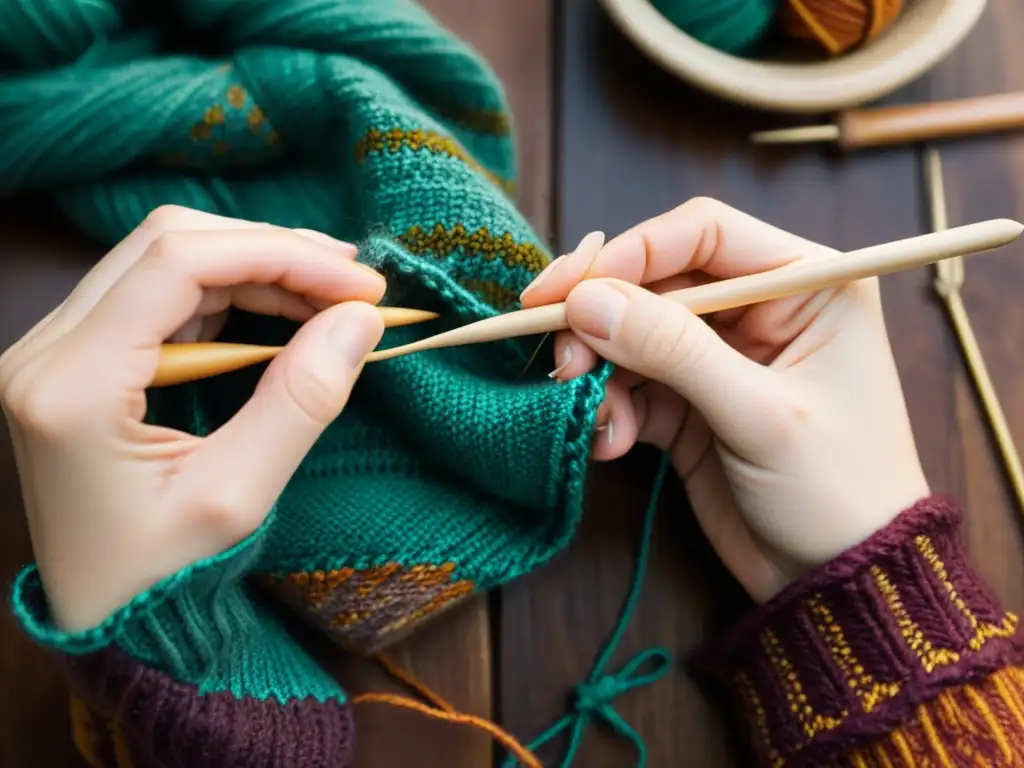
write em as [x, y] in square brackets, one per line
[850, 650]
[127, 714]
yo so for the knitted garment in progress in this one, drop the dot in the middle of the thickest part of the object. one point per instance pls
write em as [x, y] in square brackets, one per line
[448, 473]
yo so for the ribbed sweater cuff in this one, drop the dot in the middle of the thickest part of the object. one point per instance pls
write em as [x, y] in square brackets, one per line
[850, 650]
[174, 626]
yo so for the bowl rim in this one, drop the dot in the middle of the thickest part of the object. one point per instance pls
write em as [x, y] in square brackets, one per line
[928, 31]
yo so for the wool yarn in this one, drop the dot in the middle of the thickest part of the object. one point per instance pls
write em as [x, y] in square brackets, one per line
[449, 473]
[732, 26]
[838, 26]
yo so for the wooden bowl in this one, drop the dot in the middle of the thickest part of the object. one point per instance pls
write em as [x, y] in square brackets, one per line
[926, 32]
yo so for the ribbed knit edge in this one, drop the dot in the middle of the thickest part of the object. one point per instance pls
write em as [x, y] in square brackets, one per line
[142, 622]
[167, 723]
[850, 650]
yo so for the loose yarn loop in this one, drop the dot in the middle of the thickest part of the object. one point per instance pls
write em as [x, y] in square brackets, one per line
[595, 697]
[733, 26]
[838, 25]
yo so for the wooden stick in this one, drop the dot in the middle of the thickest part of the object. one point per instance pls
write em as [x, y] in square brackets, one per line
[948, 282]
[187, 362]
[795, 278]
[887, 126]
[191, 361]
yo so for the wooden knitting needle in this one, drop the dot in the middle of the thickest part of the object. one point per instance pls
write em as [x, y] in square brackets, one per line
[190, 361]
[949, 279]
[795, 278]
[887, 126]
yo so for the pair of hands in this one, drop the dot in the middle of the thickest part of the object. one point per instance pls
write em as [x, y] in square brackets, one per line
[785, 420]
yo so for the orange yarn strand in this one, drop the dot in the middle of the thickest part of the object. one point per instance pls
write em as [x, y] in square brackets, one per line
[439, 709]
[401, 675]
[505, 739]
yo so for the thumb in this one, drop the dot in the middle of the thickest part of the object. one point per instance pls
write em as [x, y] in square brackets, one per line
[302, 391]
[662, 340]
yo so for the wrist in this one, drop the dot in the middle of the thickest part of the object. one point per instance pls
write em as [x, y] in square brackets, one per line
[850, 649]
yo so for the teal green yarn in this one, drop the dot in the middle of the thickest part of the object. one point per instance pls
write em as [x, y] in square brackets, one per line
[732, 26]
[366, 120]
[202, 625]
[596, 697]
[35, 33]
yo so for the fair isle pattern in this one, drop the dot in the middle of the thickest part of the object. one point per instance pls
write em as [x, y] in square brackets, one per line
[366, 609]
[482, 243]
[394, 140]
[851, 658]
[972, 725]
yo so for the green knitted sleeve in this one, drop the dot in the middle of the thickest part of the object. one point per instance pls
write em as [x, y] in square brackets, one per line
[203, 626]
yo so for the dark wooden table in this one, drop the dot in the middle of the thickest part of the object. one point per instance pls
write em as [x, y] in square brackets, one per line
[608, 140]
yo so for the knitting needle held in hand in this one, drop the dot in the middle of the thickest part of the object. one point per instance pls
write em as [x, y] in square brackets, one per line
[801, 276]
[190, 361]
[187, 362]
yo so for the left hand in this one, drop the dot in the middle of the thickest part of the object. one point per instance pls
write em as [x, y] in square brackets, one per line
[114, 504]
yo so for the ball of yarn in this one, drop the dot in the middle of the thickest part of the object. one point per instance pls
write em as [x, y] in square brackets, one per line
[34, 33]
[838, 25]
[732, 26]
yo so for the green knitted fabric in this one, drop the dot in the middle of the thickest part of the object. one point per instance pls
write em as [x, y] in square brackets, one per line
[450, 472]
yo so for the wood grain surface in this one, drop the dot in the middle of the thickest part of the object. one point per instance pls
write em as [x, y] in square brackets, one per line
[606, 140]
[634, 143]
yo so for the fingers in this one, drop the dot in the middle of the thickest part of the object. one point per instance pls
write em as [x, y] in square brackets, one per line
[661, 340]
[702, 234]
[99, 280]
[572, 357]
[164, 289]
[303, 390]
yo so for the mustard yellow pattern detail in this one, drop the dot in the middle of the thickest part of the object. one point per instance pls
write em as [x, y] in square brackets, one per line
[495, 294]
[443, 242]
[933, 737]
[747, 691]
[236, 96]
[983, 631]
[811, 722]
[868, 691]
[418, 140]
[931, 657]
[494, 122]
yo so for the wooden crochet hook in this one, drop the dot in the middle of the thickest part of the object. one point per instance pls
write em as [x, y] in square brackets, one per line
[795, 278]
[887, 126]
[191, 361]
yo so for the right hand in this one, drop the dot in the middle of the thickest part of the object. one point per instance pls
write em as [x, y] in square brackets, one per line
[785, 419]
[115, 504]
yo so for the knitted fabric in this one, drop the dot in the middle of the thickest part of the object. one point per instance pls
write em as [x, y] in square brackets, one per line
[449, 472]
[863, 657]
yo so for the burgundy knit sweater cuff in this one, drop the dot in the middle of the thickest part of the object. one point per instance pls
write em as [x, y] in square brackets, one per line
[850, 650]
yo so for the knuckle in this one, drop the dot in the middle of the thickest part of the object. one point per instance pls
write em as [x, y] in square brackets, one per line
[672, 345]
[702, 206]
[169, 217]
[41, 408]
[226, 513]
[168, 249]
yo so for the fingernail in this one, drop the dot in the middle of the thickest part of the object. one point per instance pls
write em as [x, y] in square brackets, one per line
[544, 274]
[597, 309]
[566, 356]
[349, 339]
[608, 427]
[323, 239]
[591, 243]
